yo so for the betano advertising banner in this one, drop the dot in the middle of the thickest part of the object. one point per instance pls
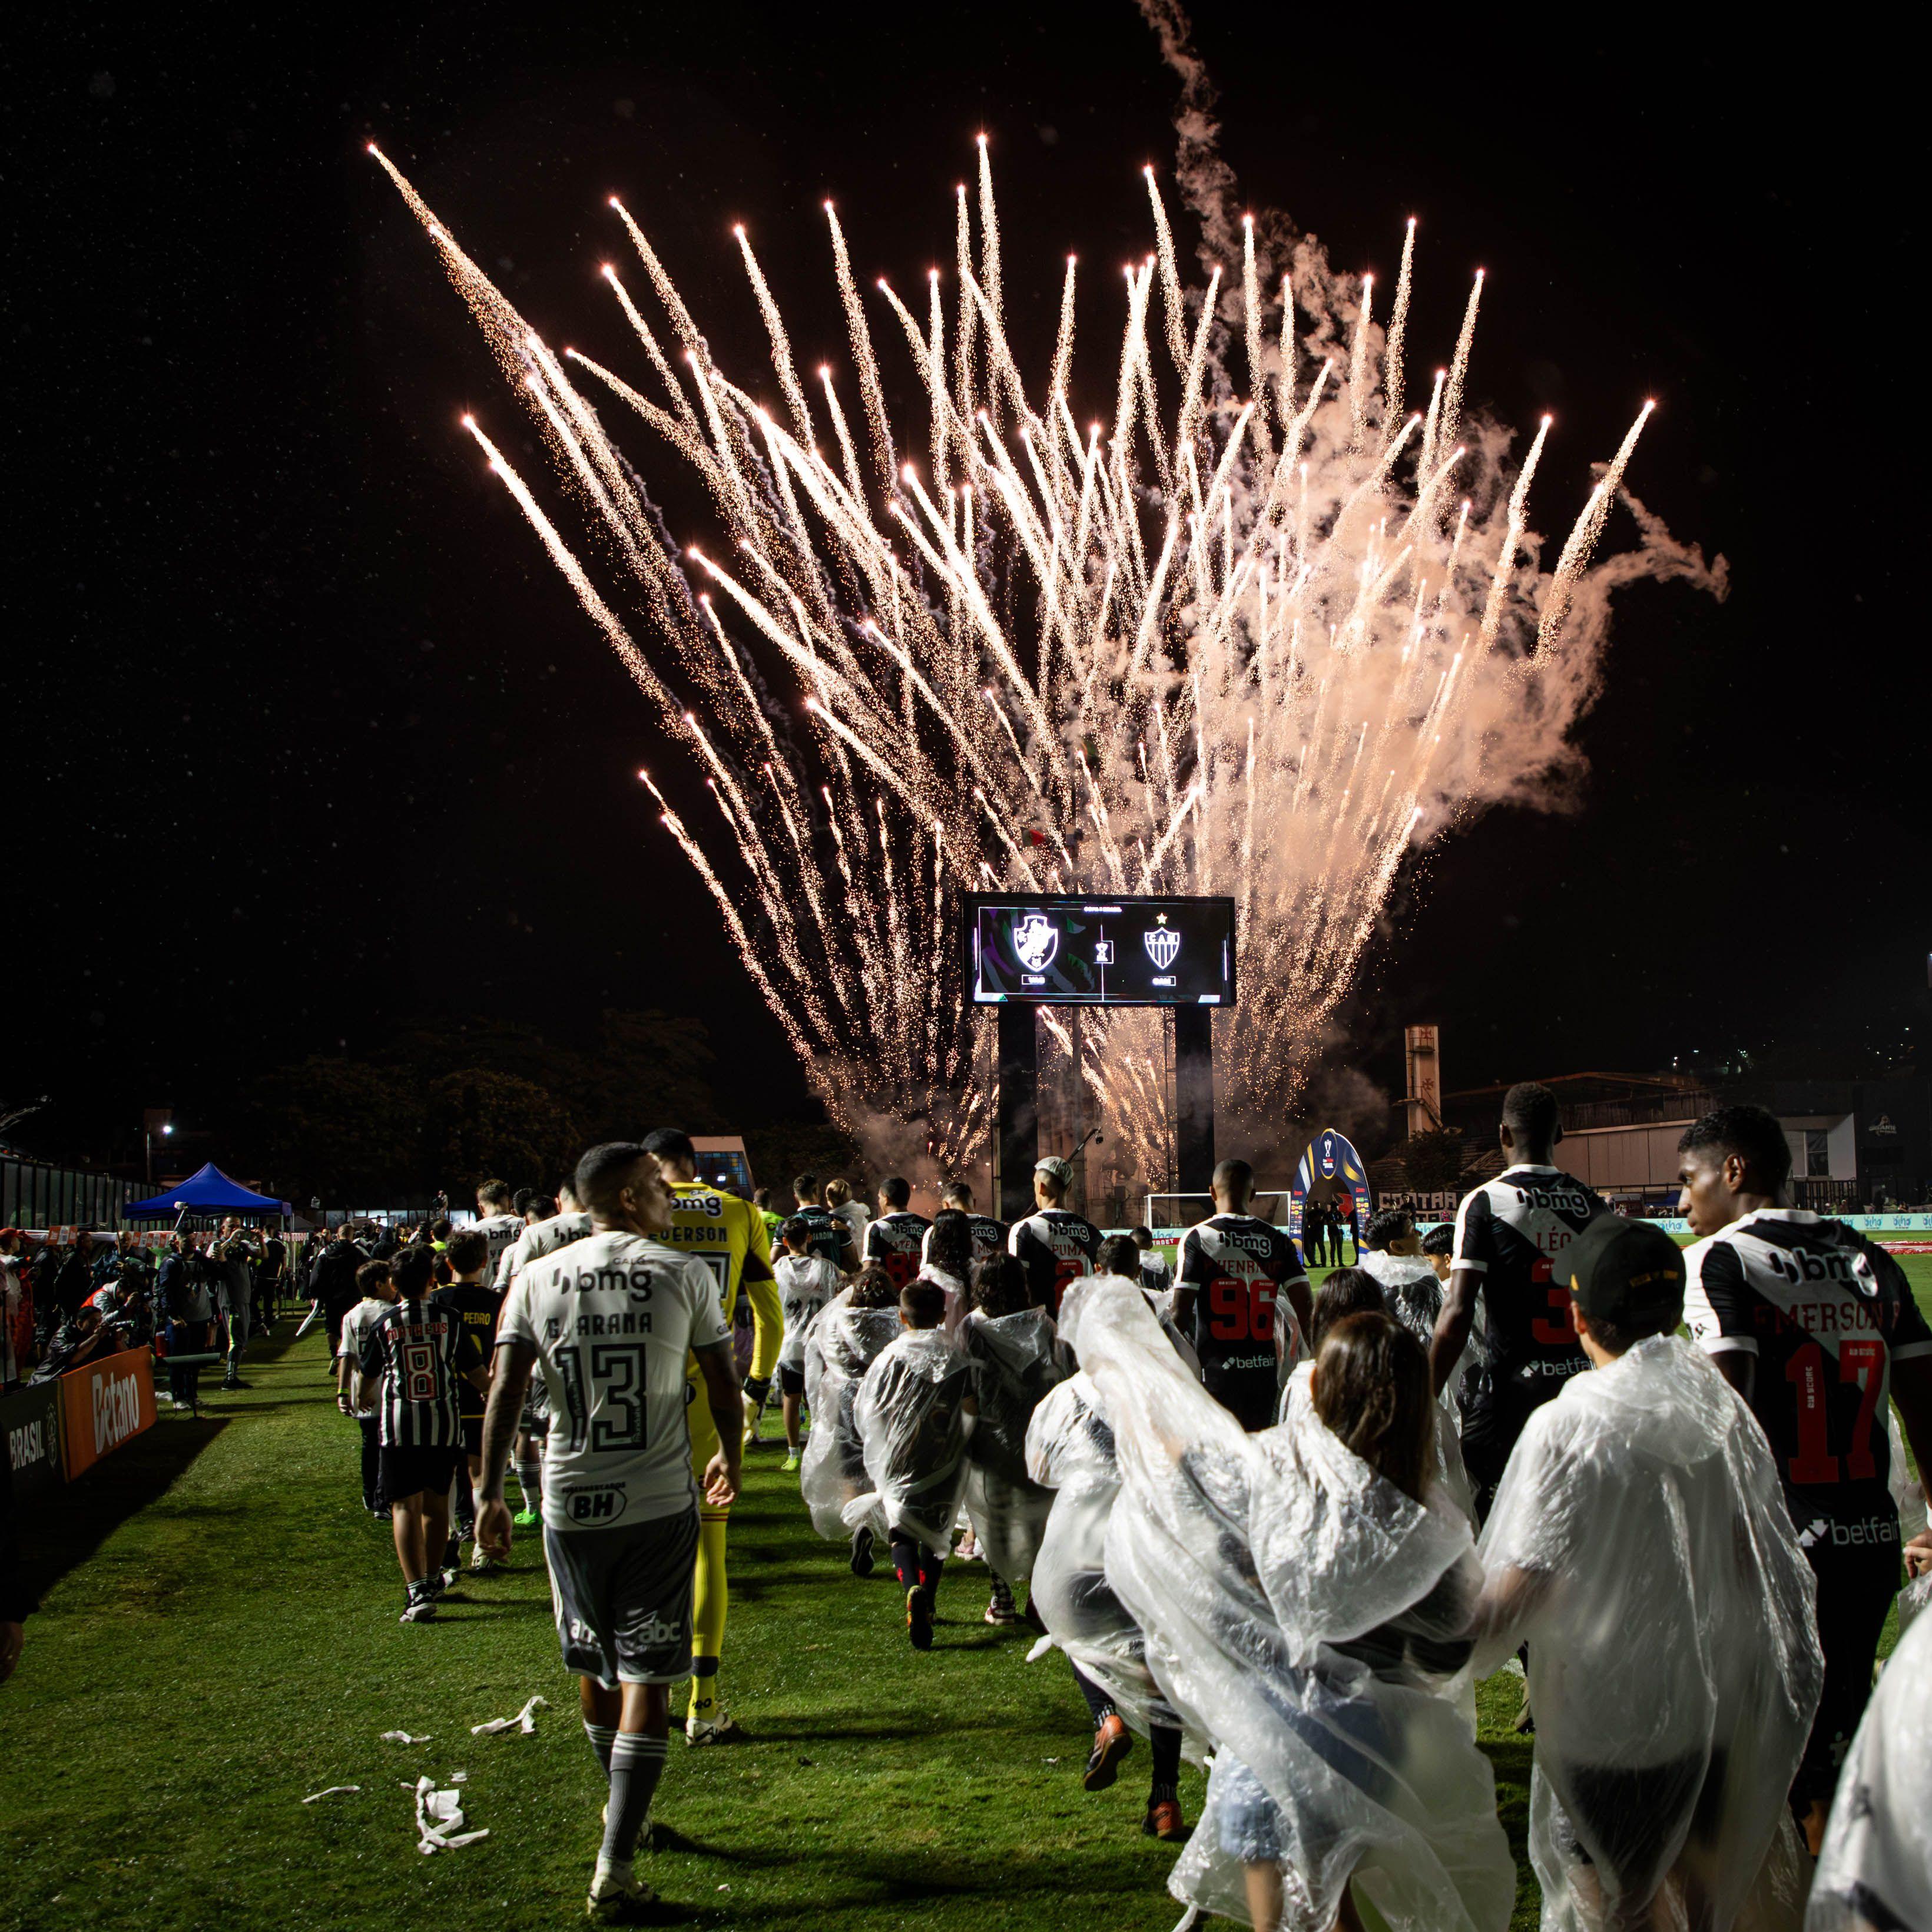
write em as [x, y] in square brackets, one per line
[104, 1404]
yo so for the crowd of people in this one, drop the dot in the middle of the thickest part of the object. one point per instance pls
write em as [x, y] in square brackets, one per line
[198, 1294]
[1275, 1527]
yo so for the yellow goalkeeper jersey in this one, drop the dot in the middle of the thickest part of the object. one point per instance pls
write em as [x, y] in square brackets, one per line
[728, 1236]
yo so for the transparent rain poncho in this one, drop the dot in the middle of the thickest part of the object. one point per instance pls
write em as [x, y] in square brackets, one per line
[1017, 1362]
[839, 1347]
[1639, 1542]
[1305, 1615]
[1070, 1450]
[911, 1416]
[1876, 1868]
[1909, 1495]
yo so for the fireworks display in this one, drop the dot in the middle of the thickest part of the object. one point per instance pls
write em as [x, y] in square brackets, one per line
[1257, 629]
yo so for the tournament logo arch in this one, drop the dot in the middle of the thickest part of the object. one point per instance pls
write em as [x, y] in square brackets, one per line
[1331, 1158]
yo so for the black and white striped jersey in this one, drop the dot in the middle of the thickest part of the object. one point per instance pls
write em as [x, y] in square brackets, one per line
[420, 1350]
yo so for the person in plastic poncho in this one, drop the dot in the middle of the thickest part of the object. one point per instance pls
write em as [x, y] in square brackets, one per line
[853, 1329]
[1875, 1872]
[1303, 1594]
[1070, 1451]
[915, 1412]
[1640, 1542]
[1017, 1360]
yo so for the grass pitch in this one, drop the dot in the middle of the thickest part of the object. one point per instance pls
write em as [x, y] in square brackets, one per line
[219, 1639]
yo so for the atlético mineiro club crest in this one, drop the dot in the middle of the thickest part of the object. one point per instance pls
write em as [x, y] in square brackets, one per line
[1162, 943]
[1036, 939]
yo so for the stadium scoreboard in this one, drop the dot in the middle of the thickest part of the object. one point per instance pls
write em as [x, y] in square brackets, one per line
[1057, 949]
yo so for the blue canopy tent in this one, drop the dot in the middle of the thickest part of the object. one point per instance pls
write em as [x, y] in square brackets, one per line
[207, 1191]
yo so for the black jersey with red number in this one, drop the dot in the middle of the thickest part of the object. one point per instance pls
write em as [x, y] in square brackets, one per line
[1510, 1230]
[893, 1240]
[1055, 1246]
[1236, 1266]
[1826, 1312]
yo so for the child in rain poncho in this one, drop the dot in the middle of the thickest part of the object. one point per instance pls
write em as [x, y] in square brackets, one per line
[915, 1412]
[806, 1283]
[851, 1332]
[1070, 1451]
[1874, 1872]
[1640, 1542]
[1302, 1608]
[1017, 1359]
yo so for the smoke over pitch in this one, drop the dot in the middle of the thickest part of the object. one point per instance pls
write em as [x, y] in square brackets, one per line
[1257, 628]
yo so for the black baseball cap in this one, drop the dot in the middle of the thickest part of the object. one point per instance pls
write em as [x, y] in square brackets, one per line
[1628, 1274]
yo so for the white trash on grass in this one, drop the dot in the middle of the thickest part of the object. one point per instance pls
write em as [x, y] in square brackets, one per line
[524, 1721]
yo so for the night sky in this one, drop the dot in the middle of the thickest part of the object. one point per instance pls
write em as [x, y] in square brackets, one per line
[307, 736]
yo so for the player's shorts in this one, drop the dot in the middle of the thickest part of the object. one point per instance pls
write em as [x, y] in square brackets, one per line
[536, 1418]
[791, 1381]
[1626, 1821]
[622, 1597]
[472, 1436]
[410, 1471]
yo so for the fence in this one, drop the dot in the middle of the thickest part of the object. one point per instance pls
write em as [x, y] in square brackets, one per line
[35, 1193]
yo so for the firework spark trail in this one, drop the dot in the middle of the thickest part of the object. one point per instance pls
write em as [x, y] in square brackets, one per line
[1239, 646]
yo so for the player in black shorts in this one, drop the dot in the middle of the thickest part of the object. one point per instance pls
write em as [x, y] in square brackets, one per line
[1813, 1325]
[1234, 1268]
[1509, 1234]
[421, 1352]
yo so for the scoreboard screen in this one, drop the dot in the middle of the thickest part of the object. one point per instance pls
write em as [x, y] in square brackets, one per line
[1051, 950]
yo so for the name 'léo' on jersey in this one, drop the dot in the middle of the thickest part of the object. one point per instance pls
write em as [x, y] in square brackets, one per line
[1510, 1230]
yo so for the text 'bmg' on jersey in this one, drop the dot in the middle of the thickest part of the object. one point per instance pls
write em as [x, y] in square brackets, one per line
[1510, 1230]
[1826, 1312]
[1055, 1247]
[893, 1241]
[1236, 1266]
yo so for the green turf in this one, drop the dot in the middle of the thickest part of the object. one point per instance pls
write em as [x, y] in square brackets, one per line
[221, 1639]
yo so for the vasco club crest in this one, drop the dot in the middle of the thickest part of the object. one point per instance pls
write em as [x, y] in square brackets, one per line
[1163, 944]
[1036, 939]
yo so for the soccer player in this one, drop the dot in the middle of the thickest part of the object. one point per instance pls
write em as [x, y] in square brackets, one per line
[1234, 1270]
[1509, 1234]
[1813, 1325]
[477, 1305]
[421, 1351]
[831, 1234]
[806, 1283]
[896, 1238]
[1054, 1245]
[609, 1322]
[359, 1404]
[497, 1220]
[761, 1199]
[539, 1238]
[727, 1235]
[989, 1236]
[1638, 1541]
